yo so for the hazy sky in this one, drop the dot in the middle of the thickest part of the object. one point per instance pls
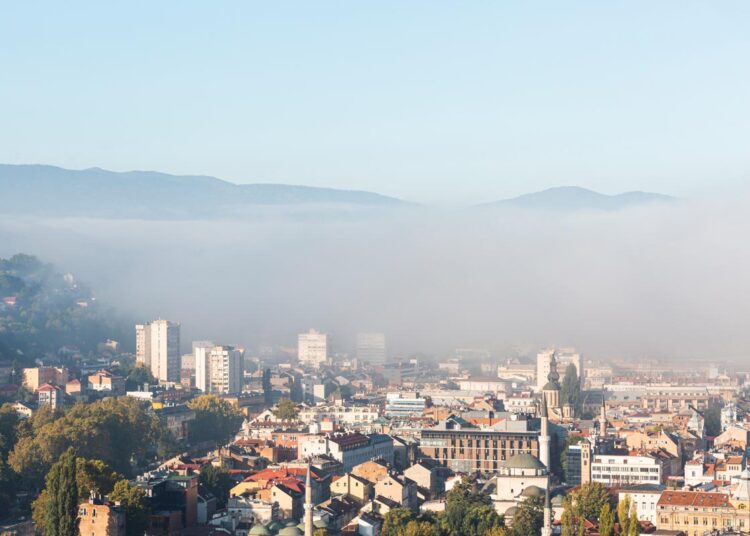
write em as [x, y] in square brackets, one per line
[444, 102]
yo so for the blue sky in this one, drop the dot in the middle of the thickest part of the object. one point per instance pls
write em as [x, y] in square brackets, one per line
[439, 102]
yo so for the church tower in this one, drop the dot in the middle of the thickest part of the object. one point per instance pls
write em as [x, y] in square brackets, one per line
[551, 391]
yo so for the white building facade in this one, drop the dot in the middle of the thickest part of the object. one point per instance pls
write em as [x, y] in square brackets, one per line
[312, 348]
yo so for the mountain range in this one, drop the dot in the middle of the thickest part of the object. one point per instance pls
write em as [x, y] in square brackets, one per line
[39, 190]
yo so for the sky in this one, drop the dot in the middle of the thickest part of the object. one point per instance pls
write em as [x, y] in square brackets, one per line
[437, 102]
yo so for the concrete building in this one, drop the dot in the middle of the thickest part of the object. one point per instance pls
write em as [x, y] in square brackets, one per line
[312, 348]
[464, 448]
[619, 470]
[219, 369]
[50, 395]
[404, 404]
[349, 449]
[371, 348]
[99, 518]
[104, 380]
[33, 378]
[158, 347]
[644, 497]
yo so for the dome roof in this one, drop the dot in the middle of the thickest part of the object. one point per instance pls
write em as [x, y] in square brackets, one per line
[524, 460]
[290, 523]
[259, 530]
[274, 526]
[290, 531]
[551, 386]
[533, 491]
[510, 512]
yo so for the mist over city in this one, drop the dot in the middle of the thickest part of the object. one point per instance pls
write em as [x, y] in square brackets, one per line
[374, 268]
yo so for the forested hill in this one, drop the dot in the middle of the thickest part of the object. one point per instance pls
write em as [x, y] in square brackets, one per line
[43, 311]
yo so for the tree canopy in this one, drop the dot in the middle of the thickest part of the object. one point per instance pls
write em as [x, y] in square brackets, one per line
[215, 419]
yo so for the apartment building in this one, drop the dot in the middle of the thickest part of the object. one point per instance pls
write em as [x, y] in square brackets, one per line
[158, 347]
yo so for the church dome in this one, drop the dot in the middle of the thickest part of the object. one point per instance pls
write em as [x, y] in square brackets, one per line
[524, 460]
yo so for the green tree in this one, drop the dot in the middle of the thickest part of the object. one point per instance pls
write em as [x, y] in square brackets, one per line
[634, 526]
[606, 521]
[712, 420]
[62, 497]
[95, 475]
[286, 410]
[218, 482]
[133, 499]
[590, 499]
[480, 519]
[395, 520]
[215, 419]
[570, 389]
[7, 489]
[623, 515]
[267, 388]
[529, 518]
[8, 427]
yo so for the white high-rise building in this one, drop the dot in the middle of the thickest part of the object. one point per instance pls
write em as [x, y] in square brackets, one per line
[143, 345]
[371, 348]
[219, 369]
[158, 347]
[312, 348]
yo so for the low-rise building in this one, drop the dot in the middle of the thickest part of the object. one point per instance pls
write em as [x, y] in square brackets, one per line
[99, 518]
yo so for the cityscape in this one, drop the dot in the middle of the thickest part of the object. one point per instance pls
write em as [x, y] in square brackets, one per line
[375, 268]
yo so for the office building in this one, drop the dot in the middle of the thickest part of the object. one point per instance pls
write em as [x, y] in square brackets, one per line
[371, 348]
[404, 405]
[312, 348]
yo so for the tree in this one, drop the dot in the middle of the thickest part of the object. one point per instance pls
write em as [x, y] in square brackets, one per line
[634, 526]
[590, 499]
[215, 419]
[623, 515]
[530, 517]
[480, 519]
[286, 410]
[95, 475]
[7, 489]
[218, 482]
[133, 499]
[267, 388]
[61, 509]
[320, 532]
[568, 519]
[395, 520]
[570, 389]
[606, 521]
[8, 427]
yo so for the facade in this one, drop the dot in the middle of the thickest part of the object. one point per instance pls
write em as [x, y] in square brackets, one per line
[695, 512]
[645, 498]
[219, 369]
[158, 347]
[312, 348]
[50, 395]
[620, 470]
[371, 348]
[465, 448]
[404, 405]
[347, 416]
[349, 449]
[33, 378]
[98, 518]
[104, 380]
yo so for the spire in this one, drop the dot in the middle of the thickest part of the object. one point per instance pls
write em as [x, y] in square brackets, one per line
[308, 504]
[553, 376]
[544, 438]
[547, 527]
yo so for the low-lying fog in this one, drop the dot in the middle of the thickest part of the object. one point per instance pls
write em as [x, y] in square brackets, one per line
[666, 281]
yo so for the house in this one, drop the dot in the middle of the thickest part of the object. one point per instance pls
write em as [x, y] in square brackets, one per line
[176, 419]
[429, 477]
[50, 395]
[104, 380]
[398, 489]
[372, 470]
[99, 518]
[290, 495]
[353, 487]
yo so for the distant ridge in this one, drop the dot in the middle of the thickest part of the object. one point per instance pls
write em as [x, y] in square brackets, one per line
[574, 198]
[54, 191]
